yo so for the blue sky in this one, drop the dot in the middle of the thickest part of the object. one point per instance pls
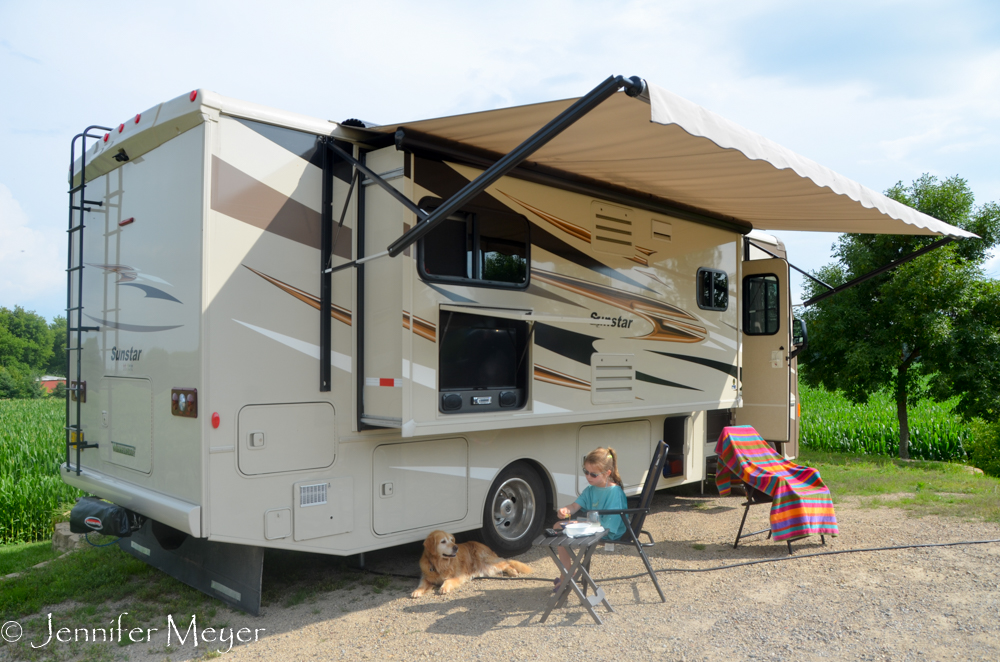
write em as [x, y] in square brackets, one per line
[880, 91]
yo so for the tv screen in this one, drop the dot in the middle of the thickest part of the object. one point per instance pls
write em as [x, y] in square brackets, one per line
[480, 352]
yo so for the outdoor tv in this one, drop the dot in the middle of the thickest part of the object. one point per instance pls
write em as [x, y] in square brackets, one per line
[481, 363]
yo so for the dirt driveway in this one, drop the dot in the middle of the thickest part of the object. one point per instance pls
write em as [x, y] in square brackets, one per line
[931, 603]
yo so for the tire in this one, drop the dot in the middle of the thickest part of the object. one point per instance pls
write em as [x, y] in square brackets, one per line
[514, 513]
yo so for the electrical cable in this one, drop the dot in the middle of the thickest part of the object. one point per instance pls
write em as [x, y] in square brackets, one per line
[86, 537]
[721, 567]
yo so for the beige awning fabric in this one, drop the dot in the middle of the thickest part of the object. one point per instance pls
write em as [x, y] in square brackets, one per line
[675, 149]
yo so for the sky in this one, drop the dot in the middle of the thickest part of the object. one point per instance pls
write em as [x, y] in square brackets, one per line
[880, 91]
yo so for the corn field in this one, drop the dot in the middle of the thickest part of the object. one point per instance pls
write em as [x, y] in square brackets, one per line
[830, 422]
[31, 449]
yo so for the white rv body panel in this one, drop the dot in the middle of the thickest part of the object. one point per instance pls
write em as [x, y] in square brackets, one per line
[226, 241]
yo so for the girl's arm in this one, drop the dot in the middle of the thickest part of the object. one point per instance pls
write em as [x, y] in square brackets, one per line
[567, 511]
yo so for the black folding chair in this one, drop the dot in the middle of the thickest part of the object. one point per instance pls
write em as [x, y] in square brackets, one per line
[756, 497]
[634, 518]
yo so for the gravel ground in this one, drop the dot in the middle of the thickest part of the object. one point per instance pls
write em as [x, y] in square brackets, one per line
[932, 603]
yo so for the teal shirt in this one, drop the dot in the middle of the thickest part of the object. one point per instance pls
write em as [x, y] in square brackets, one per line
[605, 498]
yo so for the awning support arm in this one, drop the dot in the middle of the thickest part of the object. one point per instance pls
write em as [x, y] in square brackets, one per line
[809, 276]
[402, 199]
[892, 265]
[634, 86]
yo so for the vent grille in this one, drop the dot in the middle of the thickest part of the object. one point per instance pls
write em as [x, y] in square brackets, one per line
[312, 495]
[612, 378]
[124, 449]
[612, 229]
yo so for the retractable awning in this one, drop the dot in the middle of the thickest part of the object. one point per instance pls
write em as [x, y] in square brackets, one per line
[661, 144]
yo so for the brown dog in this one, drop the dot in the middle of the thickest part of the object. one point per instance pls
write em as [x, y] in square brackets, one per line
[449, 565]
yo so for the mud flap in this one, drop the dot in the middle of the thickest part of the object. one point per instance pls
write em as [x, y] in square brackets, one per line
[231, 573]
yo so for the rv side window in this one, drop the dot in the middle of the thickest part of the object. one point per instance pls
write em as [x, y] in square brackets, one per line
[760, 305]
[486, 248]
[713, 289]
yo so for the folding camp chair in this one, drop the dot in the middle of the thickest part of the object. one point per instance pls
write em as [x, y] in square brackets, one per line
[756, 497]
[634, 518]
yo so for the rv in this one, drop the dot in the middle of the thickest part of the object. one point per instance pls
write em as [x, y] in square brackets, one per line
[333, 337]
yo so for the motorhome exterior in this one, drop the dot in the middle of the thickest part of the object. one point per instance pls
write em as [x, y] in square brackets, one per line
[252, 368]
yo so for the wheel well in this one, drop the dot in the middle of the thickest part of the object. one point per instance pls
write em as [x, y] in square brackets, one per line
[545, 477]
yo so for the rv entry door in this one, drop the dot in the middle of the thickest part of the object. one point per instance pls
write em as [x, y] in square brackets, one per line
[765, 325]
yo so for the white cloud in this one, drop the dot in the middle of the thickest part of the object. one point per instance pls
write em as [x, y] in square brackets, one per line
[31, 264]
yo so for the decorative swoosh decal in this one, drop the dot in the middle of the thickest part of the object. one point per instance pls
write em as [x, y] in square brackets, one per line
[575, 230]
[716, 365]
[336, 312]
[138, 328]
[151, 292]
[643, 377]
[551, 376]
[670, 323]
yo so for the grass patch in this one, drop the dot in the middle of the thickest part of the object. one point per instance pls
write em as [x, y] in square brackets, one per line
[698, 546]
[101, 583]
[21, 556]
[928, 488]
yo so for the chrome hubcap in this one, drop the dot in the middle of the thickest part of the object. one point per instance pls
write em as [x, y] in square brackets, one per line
[513, 509]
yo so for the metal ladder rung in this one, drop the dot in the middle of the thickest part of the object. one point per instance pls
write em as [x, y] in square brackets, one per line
[74, 308]
[75, 268]
[76, 227]
[84, 328]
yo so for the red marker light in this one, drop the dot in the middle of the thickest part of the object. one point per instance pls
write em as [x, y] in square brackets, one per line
[137, 116]
[215, 419]
[106, 137]
[194, 95]
[121, 127]
[127, 221]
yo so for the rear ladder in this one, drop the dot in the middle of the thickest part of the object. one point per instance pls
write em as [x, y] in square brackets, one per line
[76, 388]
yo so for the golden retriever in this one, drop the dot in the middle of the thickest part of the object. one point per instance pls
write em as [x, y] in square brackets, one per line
[449, 565]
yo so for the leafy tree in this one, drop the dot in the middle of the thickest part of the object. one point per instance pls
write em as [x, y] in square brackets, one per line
[57, 364]
[25, 339]
[935, 316]
[18, 382]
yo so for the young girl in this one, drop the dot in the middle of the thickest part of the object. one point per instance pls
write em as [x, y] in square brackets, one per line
[604, 492]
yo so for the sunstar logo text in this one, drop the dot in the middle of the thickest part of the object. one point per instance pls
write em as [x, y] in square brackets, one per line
[125, 354]
[616, 322]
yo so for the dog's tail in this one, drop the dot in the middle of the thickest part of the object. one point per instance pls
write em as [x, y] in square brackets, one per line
[521, 568]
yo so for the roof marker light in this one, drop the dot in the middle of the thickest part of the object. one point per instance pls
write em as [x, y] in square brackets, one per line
[126, 221]
[137, 116]
[194, 95]
[121, 127]
[215, 420]
[106, 135]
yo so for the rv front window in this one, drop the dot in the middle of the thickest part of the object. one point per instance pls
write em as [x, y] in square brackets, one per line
[760, 305]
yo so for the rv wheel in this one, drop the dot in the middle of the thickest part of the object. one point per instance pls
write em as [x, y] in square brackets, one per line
[514, 511]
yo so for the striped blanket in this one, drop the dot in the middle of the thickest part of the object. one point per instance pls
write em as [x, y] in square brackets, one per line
[801, 503]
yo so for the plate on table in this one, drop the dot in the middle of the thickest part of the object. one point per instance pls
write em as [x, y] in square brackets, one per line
[581, 529]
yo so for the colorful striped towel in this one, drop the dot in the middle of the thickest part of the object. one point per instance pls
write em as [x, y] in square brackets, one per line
[801, 503]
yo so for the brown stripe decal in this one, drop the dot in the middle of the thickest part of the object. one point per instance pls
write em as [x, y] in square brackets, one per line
[237, 194]
[551, 376]
[567, 227]
[421, 327]
[336, 312]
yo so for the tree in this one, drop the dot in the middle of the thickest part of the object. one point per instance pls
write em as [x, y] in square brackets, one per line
[57, 364]
[935, 317]
[25, 339]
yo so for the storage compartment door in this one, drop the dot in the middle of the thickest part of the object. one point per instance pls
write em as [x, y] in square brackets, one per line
[289, 437]
[420, 484]
[127, 421]
[765, 316]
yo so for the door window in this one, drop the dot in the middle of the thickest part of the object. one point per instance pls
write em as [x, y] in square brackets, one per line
[760, 305]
